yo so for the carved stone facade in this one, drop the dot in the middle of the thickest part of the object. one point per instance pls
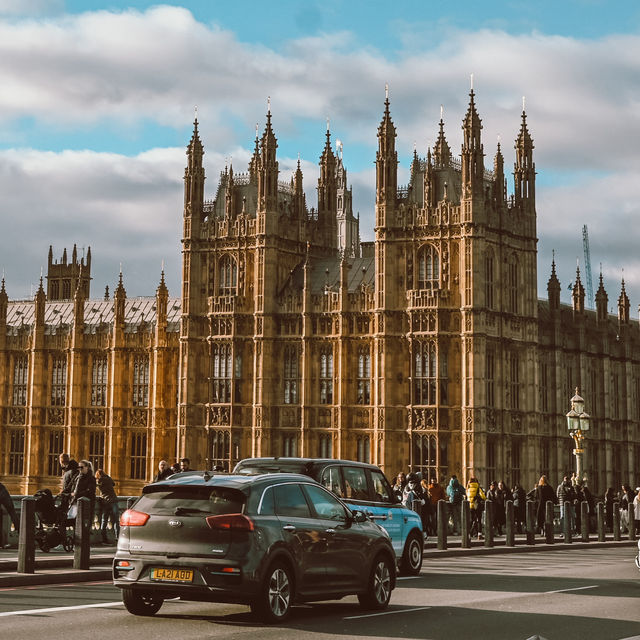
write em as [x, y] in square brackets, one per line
[427, 348]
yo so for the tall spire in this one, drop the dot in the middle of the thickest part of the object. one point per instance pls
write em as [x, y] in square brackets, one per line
[524, 173]
[194, 178]
[578, 293]
[386, 164]
[553, 287]
[623, 306]
[268, 167]
[602, 301]
[472, 150]
[327, 179]
[498, 175]
[441, 150]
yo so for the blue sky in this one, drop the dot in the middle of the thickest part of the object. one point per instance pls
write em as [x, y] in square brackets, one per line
[98, 99]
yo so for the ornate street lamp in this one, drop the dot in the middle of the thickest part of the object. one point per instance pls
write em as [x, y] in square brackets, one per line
[578, 425]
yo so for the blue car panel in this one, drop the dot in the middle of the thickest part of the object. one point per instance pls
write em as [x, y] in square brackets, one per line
[361, 486]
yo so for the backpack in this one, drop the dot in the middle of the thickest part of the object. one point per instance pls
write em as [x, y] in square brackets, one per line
[456, 498]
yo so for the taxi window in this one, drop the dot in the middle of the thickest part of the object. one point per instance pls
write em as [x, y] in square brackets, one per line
[355, 483]
[325, 505]
[381, 488]
[331, 480]
[290, 501]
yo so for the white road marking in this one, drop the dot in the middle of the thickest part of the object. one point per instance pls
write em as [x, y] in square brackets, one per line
[409, 578]
[386, 613]
[593, 586]
[28, 612]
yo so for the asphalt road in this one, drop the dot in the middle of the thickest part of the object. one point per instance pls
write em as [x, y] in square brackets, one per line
[557, 595]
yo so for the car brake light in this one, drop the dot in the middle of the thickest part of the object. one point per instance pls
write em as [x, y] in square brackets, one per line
[132, 518]
[123, 563]
[230, 522]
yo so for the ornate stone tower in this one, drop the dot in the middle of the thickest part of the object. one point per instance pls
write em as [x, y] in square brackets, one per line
[63, 277]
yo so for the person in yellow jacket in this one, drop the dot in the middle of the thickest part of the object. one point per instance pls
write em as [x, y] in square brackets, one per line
[476, 498]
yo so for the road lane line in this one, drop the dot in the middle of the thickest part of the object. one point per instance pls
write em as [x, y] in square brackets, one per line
[29, 612]
[386, 613]
[593, 586]
[409, 578]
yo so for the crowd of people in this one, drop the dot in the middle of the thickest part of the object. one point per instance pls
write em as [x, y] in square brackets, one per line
[422, 495]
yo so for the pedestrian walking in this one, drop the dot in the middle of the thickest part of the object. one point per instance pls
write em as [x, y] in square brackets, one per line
[7, 503]
[69, 474]
[164, 471]
[436, 493]
[626, 507]
[110, 510]
[519, 497]
[456, 494]
[476, 497]
[636, 511]
[544, 494]
[85, 485]
[609, 499]
[497, 495]
[399, 483]
[566, 497]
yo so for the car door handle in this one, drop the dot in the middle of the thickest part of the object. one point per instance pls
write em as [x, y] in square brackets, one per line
[331, 531]
[289, 527]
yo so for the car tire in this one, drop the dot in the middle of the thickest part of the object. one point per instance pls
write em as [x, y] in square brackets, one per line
[412, 556]
[140, 603]
[379, 585]
[273, 602]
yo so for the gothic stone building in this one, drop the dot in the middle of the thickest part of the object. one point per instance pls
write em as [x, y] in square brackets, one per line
[426, 348]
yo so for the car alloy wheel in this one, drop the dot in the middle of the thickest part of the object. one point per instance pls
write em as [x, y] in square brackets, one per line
[382, 582]
[279, 593]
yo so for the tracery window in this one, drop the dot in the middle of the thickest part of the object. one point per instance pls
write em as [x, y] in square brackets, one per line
[363, 449]
[425, 455]
[489, 280]
[428, 267]
[228, 275]
[326, 376]
[20, 377]
[99, 382]
[221, 373]
[424, 373]
[59, 382]
[290, 375]
[141, 381]
[364, 376]
[512, 284]
[138, 456]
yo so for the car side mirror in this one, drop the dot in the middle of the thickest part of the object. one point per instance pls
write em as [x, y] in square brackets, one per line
[358, 516]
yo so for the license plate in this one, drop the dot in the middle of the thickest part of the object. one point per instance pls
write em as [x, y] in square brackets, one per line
[172, 575]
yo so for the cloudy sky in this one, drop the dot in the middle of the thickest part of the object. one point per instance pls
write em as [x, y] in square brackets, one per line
[97, 103]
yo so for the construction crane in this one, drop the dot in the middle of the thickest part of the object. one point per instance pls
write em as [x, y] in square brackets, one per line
[587, 265]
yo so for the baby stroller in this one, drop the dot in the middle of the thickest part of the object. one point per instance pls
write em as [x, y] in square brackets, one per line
[52, 522]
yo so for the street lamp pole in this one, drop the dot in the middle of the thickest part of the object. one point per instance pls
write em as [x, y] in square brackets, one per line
[578, 425]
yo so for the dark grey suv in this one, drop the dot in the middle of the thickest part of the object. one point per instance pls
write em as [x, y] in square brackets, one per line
[265, 540]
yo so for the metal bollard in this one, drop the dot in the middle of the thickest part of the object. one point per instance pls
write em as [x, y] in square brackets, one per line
[566, 522]
[82, 535]
[465, 525]
[601, 521]
[510, 533]
[531, 522]
[632, 524]
[27, 538]
[549, 536]
[616, 521]
[584, 520]
[443, 522]
[488, 527]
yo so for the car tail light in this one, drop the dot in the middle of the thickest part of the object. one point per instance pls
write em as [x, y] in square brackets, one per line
[122, 564]
[230, 522]
[132, 518]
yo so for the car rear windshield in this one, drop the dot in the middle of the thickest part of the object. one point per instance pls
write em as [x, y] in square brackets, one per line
[189, 499]
[275, 466]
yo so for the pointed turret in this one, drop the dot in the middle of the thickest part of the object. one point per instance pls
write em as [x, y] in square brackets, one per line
[577, 294]
[254, 163]
[119, 299]
[88, 260]
[268, 169]
[162, 303]
[50, 258]
[498, 184]
[78, 305]
[472, 150]
[4, 303]
[623, 306]
[40, 300]
[194, 178]
[524, 173]
[386, 166]
[553, 288]
[229, 196]
[299, 201]
[441, 150]
[106, 292]
[327, 179]
[602, 301]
